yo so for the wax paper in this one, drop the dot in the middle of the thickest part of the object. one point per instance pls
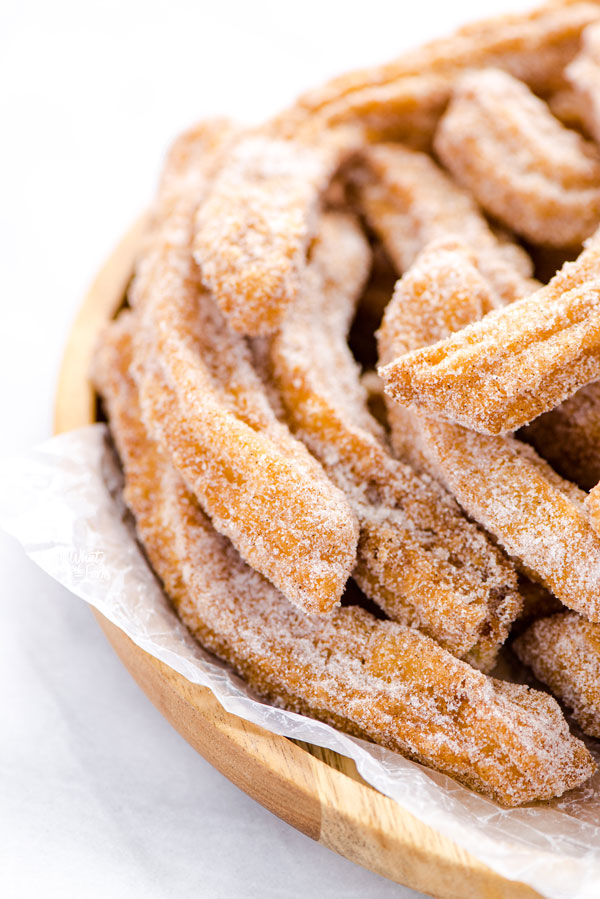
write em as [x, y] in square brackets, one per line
[62, 502]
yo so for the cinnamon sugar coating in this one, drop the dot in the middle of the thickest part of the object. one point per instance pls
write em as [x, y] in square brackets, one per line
[377, 679]
[592, 504]
[535, 515]
[500, 373]
[563, 652]
[521, 164]
[254, 229]
[202, 400]
[410, 202]
[419, 558]
[443, 291]
[259, 479]
[192, 162]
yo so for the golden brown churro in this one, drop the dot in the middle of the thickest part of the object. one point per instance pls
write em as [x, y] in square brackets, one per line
[534, 175]
[419, 558]
[500, 373]
[442, 292]
[376, 679]
[254, 229]
[563, 652]
[410, 202]
[535, 515]
[204, 403]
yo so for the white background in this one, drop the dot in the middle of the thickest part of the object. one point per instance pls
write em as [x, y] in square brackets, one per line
[99, 797]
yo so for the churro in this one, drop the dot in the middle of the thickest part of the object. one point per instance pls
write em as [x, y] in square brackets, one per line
[254, 229]
[502, 372]
[418, 556]
[521, 164]
[204, 403]
[410, 202]
[442, 292]
[376, 679]
[535, 515]
[563, 651]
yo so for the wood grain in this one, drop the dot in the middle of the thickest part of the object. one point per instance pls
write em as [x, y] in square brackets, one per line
[315, 790]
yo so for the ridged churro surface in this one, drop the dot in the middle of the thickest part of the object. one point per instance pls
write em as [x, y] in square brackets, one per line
[521, 164]
[500, 373]
[563, 652]
[537, 517]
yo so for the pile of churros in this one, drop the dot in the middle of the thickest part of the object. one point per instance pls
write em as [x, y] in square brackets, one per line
[355, 393]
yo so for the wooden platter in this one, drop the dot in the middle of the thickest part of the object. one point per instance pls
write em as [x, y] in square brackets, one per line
[317, 791]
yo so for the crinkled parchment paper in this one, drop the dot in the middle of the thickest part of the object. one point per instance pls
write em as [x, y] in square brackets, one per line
[61, 501]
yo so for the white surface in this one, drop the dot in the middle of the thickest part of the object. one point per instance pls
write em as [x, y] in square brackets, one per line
[98, 795]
